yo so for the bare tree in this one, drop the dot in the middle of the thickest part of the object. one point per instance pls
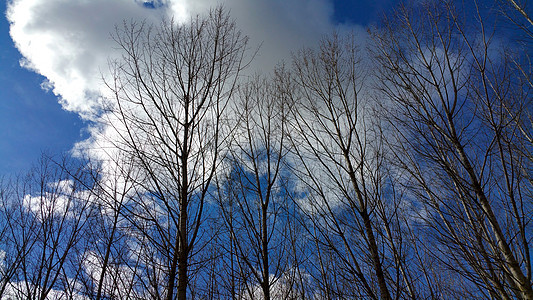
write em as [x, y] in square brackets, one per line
[519, 13]
[108, 270]
[44, 224]
[453, 100]
[254, 193]
[353, 212]
[171, 89]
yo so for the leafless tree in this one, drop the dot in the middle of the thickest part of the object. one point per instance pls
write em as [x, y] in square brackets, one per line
[108, 270]
[254, 193]
[13, 219]
[354, 213]
[519, 13]
[171, 89]
[44, 225]
[453, 99]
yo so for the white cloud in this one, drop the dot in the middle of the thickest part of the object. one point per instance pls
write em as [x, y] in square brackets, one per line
[279, 26]
[69, 42]
[282, 287]
[94, 264]
[2, 261]
[60, 200]
[22, 290]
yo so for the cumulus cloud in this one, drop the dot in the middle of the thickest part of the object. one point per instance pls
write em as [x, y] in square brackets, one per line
[282, 287]
[69, 42]
[279, 26]
[93, 264]
[59, 200]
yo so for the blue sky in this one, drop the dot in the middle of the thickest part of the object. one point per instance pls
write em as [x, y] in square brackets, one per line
[32, 120]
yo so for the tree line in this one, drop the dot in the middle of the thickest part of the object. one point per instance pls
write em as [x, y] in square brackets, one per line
[397, 169]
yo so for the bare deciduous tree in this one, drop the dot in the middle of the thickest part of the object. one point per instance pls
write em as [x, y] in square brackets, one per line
[171, 89]
[454, 106]
[45, 220]
[254, 194]
[352, 208]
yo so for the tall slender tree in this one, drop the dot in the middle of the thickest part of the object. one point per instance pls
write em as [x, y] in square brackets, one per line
[254, 198]
[171, 89]
[352, 209]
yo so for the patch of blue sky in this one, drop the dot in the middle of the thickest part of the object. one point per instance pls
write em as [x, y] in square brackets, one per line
[31, 120]
[153, 4]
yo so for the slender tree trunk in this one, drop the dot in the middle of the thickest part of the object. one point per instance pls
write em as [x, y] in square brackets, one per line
[372, 245]
[106, 259]
[513, 266]
[264, 241]
[183, 245]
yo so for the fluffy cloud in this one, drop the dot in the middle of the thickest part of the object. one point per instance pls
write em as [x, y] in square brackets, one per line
[69, 42]
[280, 26]
[58, 199]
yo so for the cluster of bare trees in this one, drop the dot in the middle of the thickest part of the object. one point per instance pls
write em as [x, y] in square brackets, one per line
[459, 108]
[398, 170]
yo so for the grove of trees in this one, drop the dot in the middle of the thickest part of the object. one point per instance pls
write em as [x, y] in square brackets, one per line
[398, 167]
